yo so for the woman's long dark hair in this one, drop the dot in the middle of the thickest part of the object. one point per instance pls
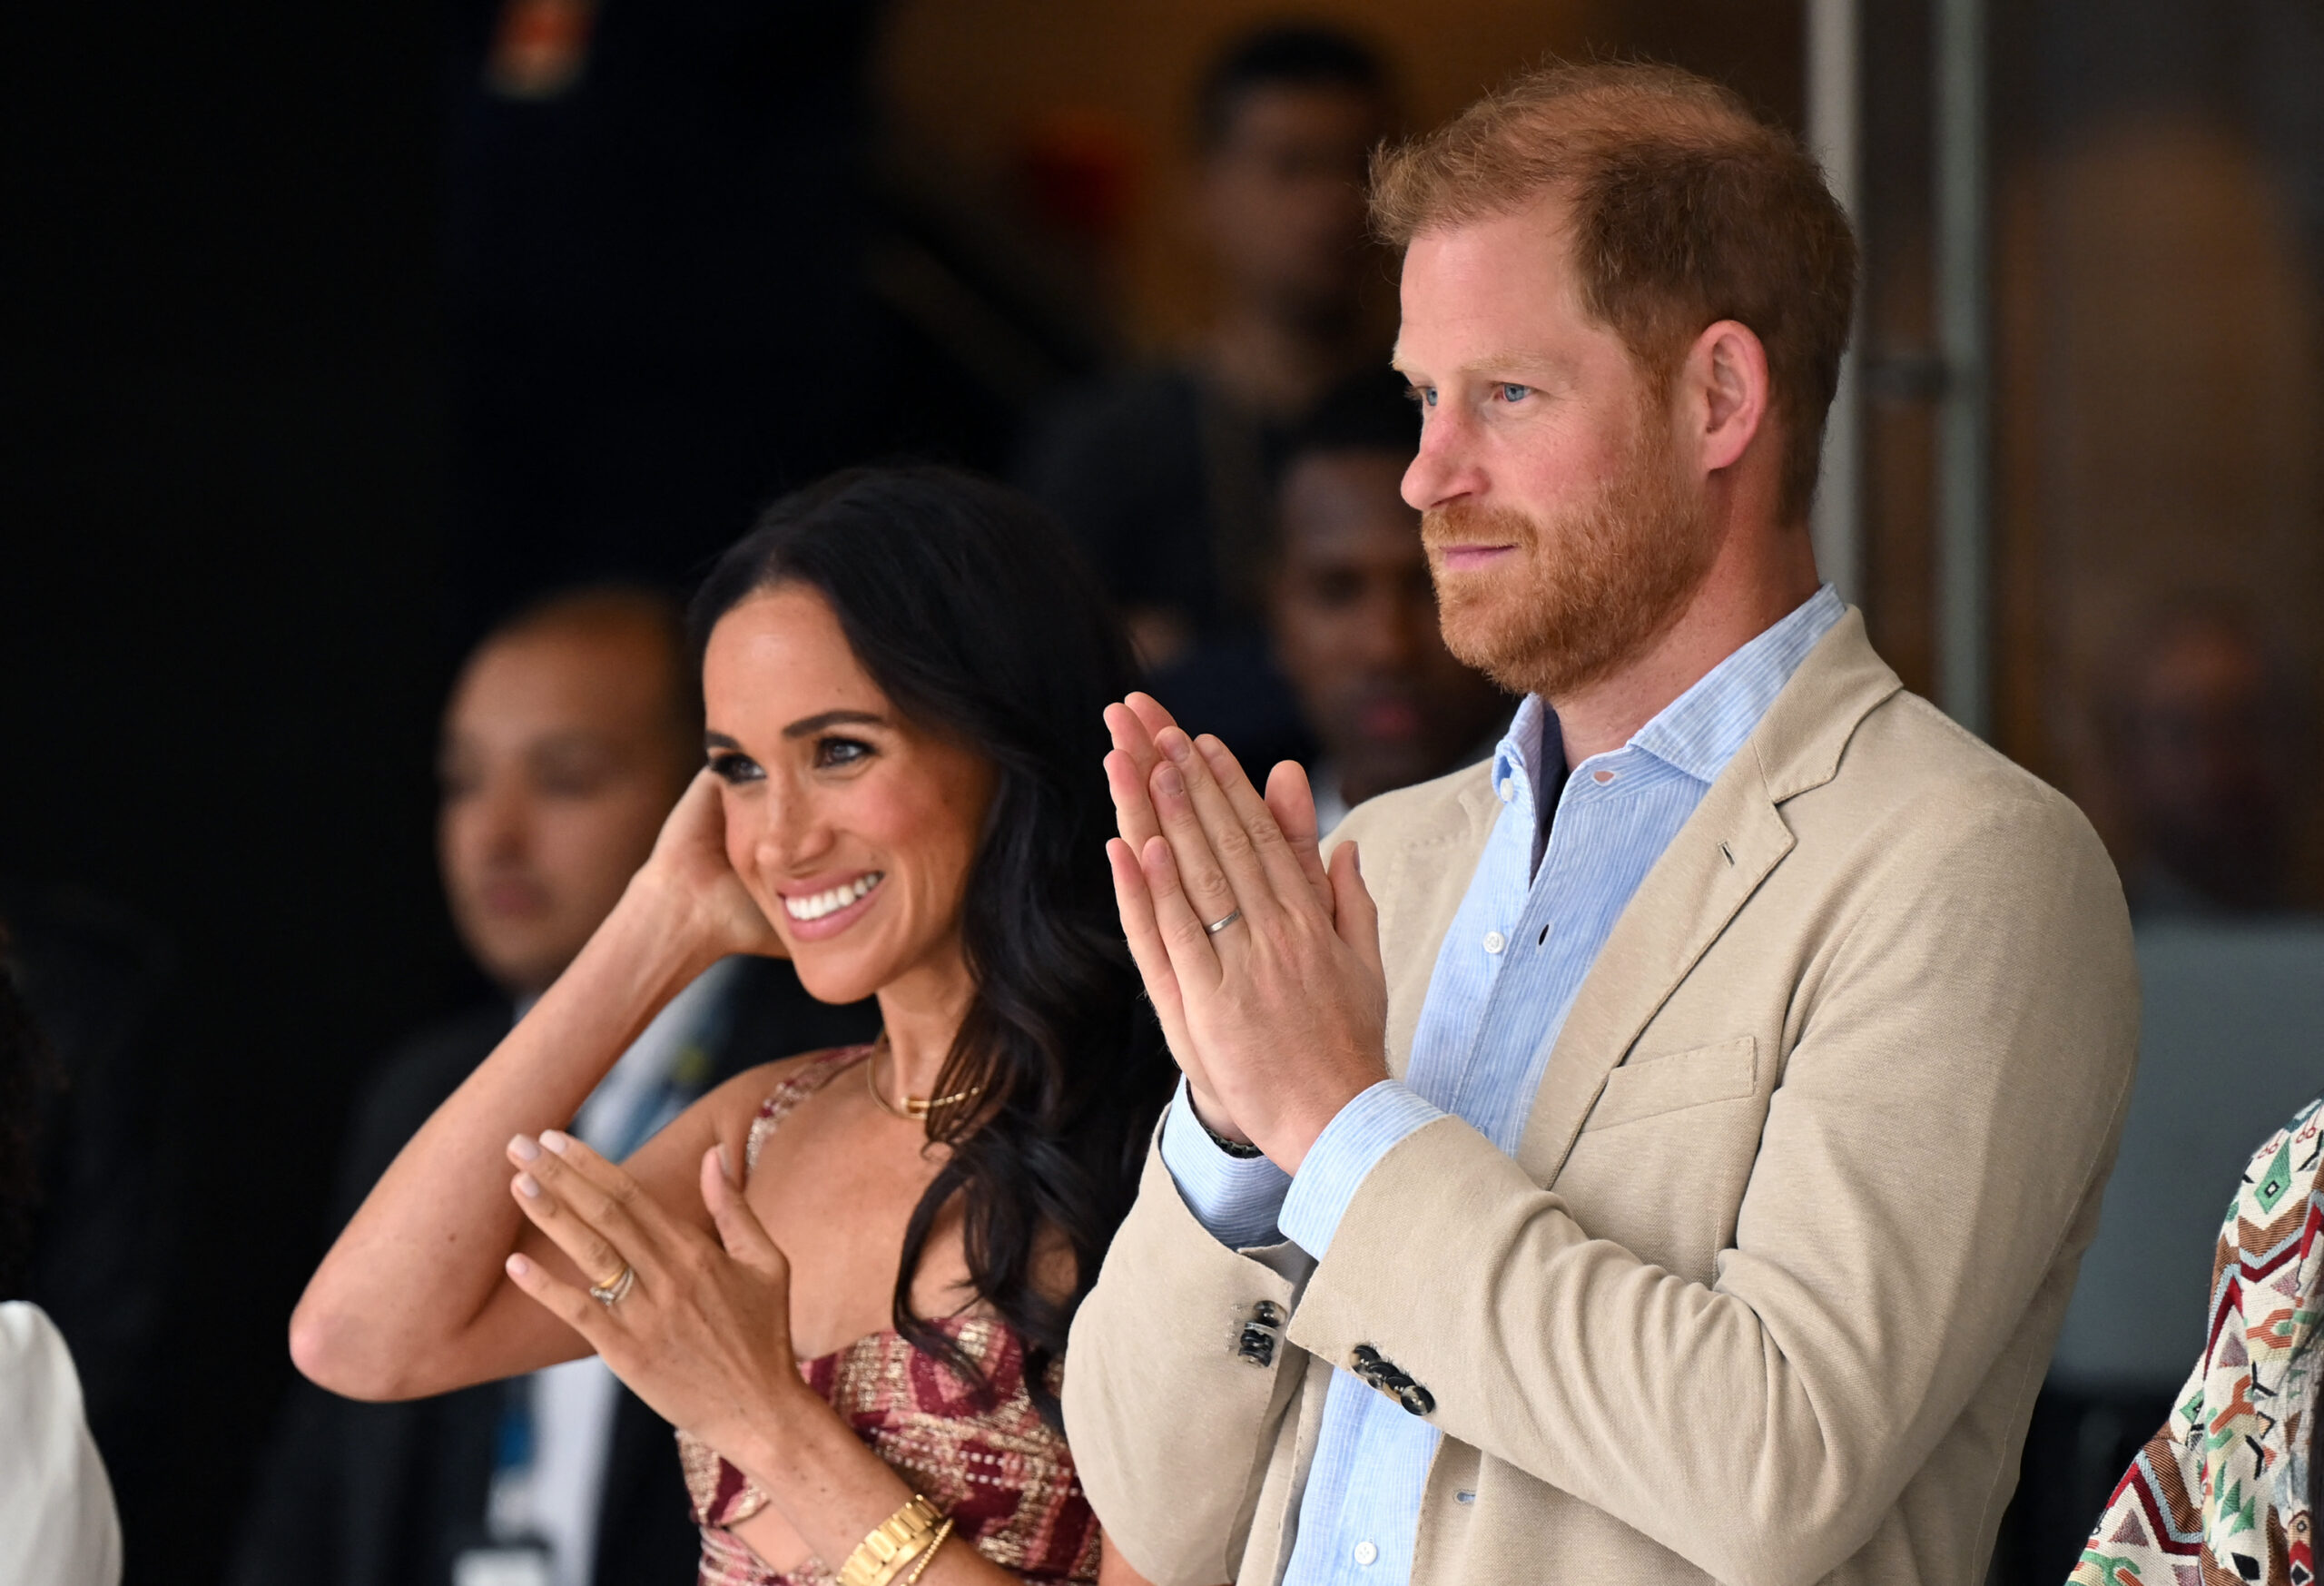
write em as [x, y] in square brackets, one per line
[978, 618]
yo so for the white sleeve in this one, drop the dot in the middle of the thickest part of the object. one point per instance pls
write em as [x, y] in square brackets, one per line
[57, 1522]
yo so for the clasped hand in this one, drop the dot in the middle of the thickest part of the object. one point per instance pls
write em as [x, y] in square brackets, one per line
[1279, 1018]
[702, 1330]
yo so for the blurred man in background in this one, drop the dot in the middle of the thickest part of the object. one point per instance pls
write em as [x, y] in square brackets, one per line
[2209, 747]
[1163, 472]
[571, 731]
[1352, 613]
[1349, 674]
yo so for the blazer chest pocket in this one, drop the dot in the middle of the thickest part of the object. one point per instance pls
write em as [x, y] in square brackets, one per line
[1650, 1086]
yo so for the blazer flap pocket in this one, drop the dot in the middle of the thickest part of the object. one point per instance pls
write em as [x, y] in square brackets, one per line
[1644, 1087]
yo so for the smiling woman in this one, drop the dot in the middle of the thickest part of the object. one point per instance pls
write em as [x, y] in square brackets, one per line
[852, 1300]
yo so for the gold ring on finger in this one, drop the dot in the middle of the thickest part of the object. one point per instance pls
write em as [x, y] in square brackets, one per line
[1216, 926]
[609, 1293]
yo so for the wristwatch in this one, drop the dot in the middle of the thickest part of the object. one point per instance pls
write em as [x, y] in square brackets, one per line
[1241, 1150]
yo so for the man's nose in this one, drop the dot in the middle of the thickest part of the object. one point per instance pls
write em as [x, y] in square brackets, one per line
[507, 824]
[1445, 467]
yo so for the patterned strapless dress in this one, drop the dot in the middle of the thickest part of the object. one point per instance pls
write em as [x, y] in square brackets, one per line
[991, 1462]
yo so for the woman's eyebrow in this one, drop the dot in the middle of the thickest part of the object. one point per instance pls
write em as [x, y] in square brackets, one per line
[807, 726]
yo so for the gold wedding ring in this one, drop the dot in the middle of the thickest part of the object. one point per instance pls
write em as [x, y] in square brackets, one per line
[609, 1293]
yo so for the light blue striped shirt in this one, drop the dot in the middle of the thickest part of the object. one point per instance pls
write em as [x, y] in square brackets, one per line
[1529, 926]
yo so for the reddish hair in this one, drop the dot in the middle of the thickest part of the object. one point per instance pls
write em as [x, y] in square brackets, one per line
[1687, 208]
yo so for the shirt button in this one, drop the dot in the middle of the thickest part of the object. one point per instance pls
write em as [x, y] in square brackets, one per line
[1365, 1553]
[1508, 789]
[1495, 941]
[1601, 777]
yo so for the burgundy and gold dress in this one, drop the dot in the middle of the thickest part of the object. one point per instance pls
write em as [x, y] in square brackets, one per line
[991, 1462]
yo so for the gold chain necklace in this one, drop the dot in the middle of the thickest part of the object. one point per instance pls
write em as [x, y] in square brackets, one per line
[914, 1107]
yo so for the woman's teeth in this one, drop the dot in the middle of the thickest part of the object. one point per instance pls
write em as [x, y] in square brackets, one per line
[816, 905]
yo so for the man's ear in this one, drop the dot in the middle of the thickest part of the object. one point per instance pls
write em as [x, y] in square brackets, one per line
[1725, 393]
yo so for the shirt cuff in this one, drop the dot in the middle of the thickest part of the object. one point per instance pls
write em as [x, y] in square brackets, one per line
[1235, 1197]
[1366, 1129]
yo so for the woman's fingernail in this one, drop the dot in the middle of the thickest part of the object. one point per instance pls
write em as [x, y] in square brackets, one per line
[1174, 743]
[529, 1185]
[1170, 784]
[726, 1163]
[518, 1267]
[523, 1149]
[555, 1141]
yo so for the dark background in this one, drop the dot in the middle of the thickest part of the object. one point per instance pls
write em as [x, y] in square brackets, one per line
[220, 618]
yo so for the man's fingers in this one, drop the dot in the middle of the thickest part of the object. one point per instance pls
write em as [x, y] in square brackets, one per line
[1292, 803]
[1149, 713]
[1202, 877]
[1127, 766]
[1136, 901]
[1133, 805]
[1176, 922]
[1243, 842]
[1270, 840]
[1145, 948]
[1355, 916]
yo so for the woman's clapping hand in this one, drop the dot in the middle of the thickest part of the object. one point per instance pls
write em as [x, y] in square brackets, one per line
[703, 1333]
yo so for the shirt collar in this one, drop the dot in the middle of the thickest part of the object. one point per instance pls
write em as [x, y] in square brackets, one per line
[1701, 729]
[1517, 759]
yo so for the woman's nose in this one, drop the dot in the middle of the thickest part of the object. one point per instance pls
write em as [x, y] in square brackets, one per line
[792, 831]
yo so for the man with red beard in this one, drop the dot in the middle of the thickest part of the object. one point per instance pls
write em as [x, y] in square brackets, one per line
[1664, 1154]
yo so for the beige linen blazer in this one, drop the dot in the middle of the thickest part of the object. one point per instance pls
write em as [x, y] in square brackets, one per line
[1768, 1290]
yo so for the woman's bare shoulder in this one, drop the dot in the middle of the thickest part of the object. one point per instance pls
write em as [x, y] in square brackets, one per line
[735, 1102]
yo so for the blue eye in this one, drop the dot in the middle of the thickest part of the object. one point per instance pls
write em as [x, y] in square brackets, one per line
[1515, 393]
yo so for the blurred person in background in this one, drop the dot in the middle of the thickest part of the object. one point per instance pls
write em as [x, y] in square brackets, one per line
[1352, 610]
[568, 736]
[1163, 472]
[846, 1278]
[58, 1525]
[1350, 675]
[2208, 748]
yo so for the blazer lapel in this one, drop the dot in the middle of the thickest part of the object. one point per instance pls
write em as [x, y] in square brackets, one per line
[1726, 848]
[1735, 839]
[1418, 883]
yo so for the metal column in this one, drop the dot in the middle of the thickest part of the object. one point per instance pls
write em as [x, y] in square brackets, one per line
[1834, 121]
[1964, 333]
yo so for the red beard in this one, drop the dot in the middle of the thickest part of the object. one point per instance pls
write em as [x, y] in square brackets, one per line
[1580, 598]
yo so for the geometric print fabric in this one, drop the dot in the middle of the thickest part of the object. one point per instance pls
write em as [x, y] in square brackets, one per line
[2220, 1495]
